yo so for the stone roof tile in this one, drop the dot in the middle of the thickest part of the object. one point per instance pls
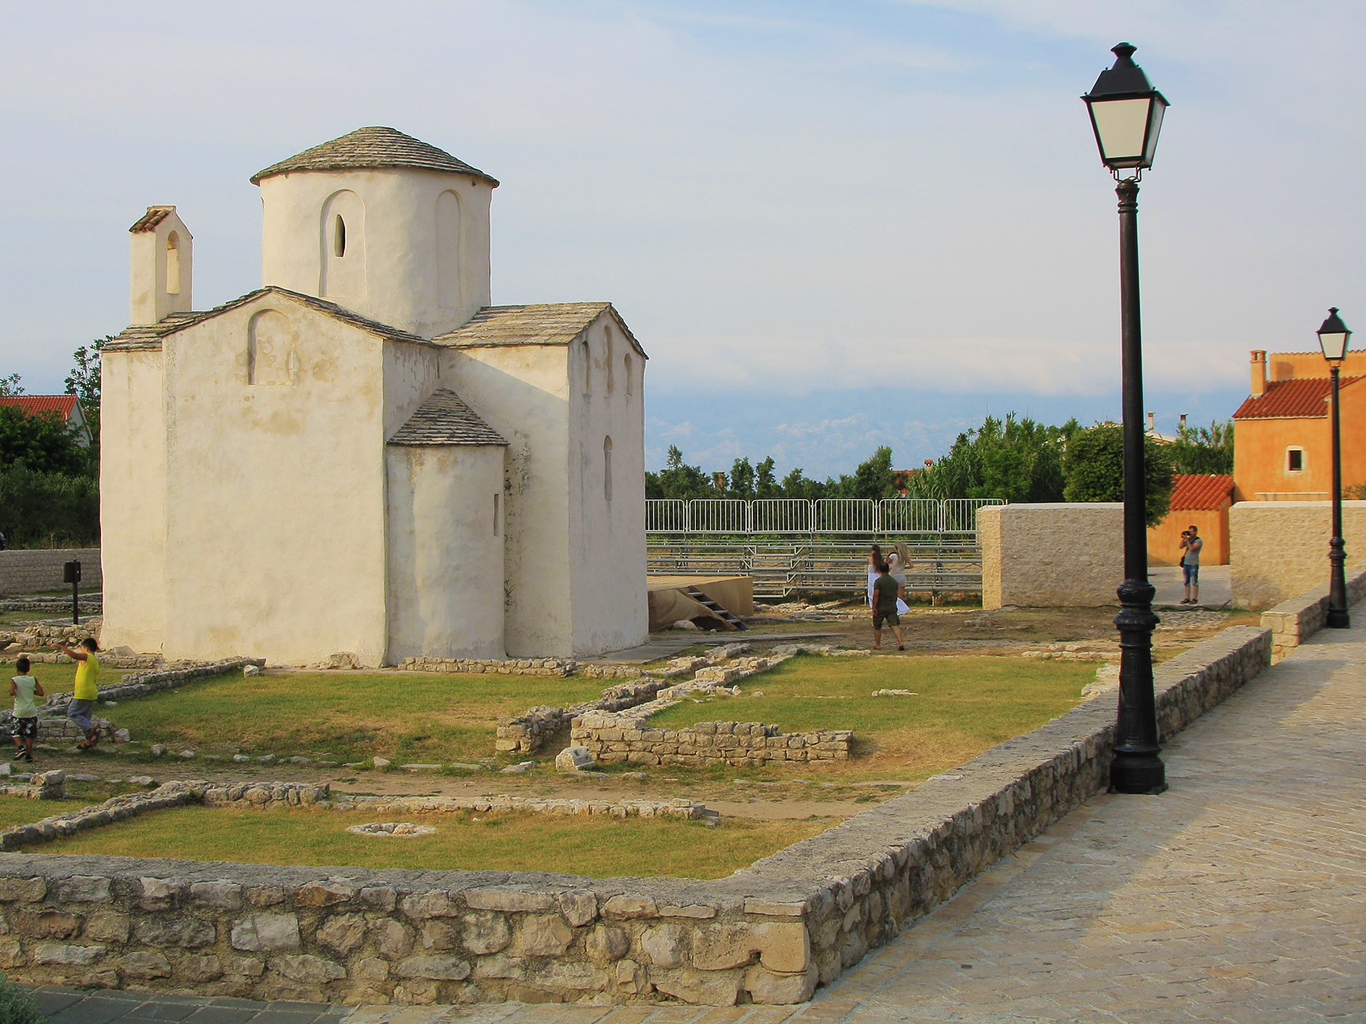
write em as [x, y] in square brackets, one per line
[145, 336]
[375, 146]
[445, 419]
[547, 323]
[1298, 398]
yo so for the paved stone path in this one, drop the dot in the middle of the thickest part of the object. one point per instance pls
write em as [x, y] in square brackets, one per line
[1239, 895]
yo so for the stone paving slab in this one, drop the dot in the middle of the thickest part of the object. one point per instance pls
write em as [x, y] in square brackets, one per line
[1239, 895]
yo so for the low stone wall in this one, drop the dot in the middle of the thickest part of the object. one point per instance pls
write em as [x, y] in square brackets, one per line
[766, 934]
[529, 731]
[41, 786]
[614, 739]
[1051, 555]
[46, 634]
[33, 571]
[479, 666]
[1278, 549]
[1301, 617]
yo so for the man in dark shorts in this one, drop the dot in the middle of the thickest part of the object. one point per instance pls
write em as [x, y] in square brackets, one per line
[885, 593]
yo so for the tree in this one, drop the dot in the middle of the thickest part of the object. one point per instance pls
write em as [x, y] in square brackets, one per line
[11, 385]
[741, 480]
[872, 479]
[41, 443]
[1019, 460]
[679, 480]
[1203, 449]
[84, 382]
[765, 486]
[1094, 467]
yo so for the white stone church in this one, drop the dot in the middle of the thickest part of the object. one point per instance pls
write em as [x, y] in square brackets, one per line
[364, 455]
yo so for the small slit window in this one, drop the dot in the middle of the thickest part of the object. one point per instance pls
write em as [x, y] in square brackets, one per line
[607, 469]
[630, 380]
[1294, 460]
[339, 236]
[496, 519]
[587, 368]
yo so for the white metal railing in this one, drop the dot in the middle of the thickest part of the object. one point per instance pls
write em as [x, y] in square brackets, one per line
[788, 516]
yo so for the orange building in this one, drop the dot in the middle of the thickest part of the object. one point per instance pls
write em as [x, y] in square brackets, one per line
[1199, 500]
[1282, 431]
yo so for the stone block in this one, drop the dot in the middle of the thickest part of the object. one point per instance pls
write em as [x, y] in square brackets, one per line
[434, 968]
[199, 969]
[710, 988]
[626, 907]
[313, 971]
[186, 933]
[266, 932]
[157, 893]
[45, 924]
[54, 954]
[439, 934]
[378, 897]
[27, 890]
[144, 966]
[768, 987]
[543, 935]
[323, 894]
[227, 895]
[392, 939]
[83, 889]
[606, 943]
[422, 905]
[486, 933]
[663, 945]
[108, 927]
[11, 953]
[579, 906]
[265, 895]
[343, 933]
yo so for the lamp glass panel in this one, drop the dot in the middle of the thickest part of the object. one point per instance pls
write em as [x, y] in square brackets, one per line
[1154, 127]
[1335, 344]
[1121, 127]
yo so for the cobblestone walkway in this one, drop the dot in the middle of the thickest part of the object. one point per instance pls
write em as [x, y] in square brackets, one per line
[1239, 895]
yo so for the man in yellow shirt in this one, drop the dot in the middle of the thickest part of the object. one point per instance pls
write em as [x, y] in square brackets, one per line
[86, 691]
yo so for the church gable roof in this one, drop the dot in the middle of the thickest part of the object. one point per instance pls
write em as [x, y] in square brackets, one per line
[546, 323]
[375, 146]
[444, 419]
[149, 336]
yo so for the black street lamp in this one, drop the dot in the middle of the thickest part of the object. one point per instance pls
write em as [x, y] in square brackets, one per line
[1333, 338]
[1126, 115]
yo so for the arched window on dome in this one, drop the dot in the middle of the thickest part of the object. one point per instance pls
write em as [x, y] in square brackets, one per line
[341, 230]
[449, 224]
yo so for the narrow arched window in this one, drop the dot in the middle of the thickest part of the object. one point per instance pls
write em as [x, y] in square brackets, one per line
[587, 368]
[630, 376]
[607, 469]
[339, 237]
[173, 264]
[611, 363]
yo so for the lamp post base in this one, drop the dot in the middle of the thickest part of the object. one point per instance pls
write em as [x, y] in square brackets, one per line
[1338, 619]
[1136, 767]
[1137, 771]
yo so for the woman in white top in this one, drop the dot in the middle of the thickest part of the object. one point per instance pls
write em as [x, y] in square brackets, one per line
[874, 559]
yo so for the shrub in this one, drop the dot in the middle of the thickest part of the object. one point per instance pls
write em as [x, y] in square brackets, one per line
[48, 509]
[18, 1006]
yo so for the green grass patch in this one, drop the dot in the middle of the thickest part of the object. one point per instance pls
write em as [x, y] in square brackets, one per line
[404, 716]
[17, 810]
[596, 846]
[960, 707]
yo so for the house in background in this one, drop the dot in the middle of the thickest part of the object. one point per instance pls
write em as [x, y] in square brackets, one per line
[1201, 500]
[64, 406]
[1283, 447]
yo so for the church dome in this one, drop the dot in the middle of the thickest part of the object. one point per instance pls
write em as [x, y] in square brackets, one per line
[372, 147]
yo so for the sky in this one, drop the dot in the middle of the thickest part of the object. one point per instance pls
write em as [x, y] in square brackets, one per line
[832, 225]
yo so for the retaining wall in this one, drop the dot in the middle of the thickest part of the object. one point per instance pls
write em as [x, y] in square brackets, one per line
[1051, 555]
[1301, 617]
[1279, 549]
[32, 571]
[766, 934]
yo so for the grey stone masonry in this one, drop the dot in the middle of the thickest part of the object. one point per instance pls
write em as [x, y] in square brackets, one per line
[32, 571]
[769, 933]
[613, 739]
[1300, 617]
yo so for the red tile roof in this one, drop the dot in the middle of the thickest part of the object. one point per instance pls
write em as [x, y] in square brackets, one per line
[32, 405]
[1302, 397]
[1193, 492]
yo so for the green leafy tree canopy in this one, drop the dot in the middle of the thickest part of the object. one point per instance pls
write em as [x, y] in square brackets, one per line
[1094, 466]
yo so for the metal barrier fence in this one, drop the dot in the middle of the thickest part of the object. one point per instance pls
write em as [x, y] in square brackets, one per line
[789, 516]
[947, 565]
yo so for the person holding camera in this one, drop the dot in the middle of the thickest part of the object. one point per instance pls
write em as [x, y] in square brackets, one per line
[1190, 563]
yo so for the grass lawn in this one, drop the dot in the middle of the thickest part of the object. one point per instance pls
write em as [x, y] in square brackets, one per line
[961, 707]
[594, 846]
[404, 716]
[23, 811]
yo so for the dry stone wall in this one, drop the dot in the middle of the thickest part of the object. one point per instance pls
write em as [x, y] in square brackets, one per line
[767, 934]
[1301, 617]
[30, 572]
